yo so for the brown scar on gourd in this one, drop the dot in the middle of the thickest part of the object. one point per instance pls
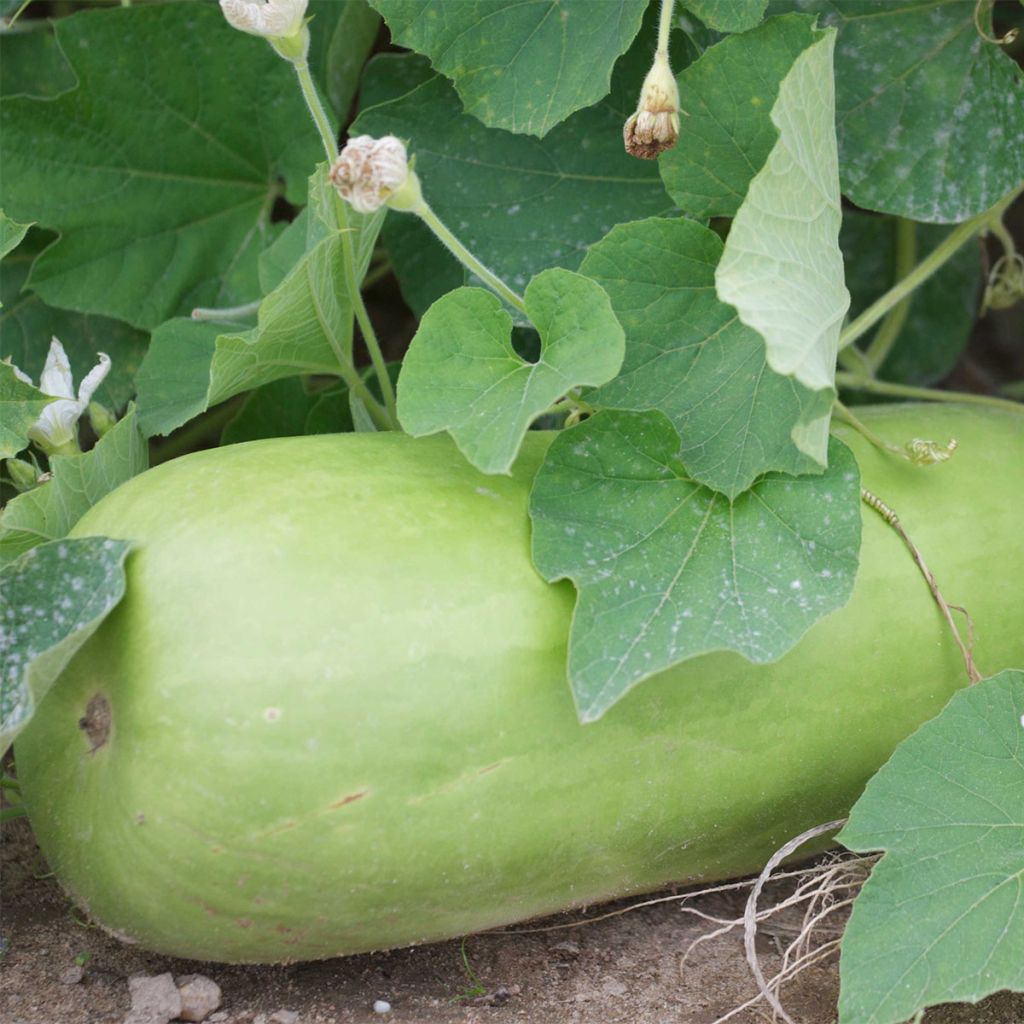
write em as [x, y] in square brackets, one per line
[96, 722]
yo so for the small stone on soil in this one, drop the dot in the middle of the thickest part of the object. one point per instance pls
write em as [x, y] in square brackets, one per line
[284, 1017]
[155, 1000]
[72, 975]
[199, 997]
[381, 1006]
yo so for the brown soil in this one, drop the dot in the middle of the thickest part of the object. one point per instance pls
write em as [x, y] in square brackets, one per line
[623, 969]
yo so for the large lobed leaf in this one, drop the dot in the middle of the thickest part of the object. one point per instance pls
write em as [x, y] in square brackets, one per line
[688, 354]
[727, 133]
[667, 569]
[930, 114]
[159, 174]
[942, 916]
[519, 204]
[54, 598]
[524, 66]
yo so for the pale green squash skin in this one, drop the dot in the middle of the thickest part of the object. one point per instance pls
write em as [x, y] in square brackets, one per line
[341, 720]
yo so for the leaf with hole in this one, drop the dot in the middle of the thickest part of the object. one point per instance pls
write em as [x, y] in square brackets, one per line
[461, 373]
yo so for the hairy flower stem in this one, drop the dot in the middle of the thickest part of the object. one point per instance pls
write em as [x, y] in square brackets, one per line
[958, 237]
[665, 24]
[389, 420]
[465, 257]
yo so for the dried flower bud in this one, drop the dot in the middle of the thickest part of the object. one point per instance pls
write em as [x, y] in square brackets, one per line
[926, 453]
[56, 429]
[271, 19]
[655, 125]
[370, 173]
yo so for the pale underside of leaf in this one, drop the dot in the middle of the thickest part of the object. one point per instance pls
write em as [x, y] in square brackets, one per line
[782, 267]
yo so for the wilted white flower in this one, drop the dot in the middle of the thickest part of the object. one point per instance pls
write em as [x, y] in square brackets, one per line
[272, 19]
[655, 125]
[369, 172]
[55, 430]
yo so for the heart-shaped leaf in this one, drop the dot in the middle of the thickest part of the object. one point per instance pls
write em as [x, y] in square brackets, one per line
[461, 373]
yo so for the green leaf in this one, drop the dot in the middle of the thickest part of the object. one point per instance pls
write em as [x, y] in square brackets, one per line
[519, 204]
[27, 324]
[942, 311]
[688, 355]
[728, 15]
[461, 373]
[286, 408]
[667, 569]
[20, 406]
[11, 233]
[159, 174]
[341, 38]
[782, 268]
[32, 64]
[941, 918]
[930, 115]
[78, 481]
[304, 325]
[54, 598]
[174, 378]
[729, 94]
[523, 67]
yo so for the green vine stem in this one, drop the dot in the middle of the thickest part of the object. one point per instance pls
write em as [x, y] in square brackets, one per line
[958, 237]
[866, 432]
[465, 257]
[855, 382]
[889, 330]
[389, 419]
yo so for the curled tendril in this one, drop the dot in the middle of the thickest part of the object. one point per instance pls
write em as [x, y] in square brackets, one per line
[927, 453]
[1006, 40]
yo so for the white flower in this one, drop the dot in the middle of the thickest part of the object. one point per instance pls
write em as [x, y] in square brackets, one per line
[56, 428]
[272, 19]
[369, 171]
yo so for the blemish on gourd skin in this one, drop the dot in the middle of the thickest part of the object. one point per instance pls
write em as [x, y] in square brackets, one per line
[96, 722]
[351, 798]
